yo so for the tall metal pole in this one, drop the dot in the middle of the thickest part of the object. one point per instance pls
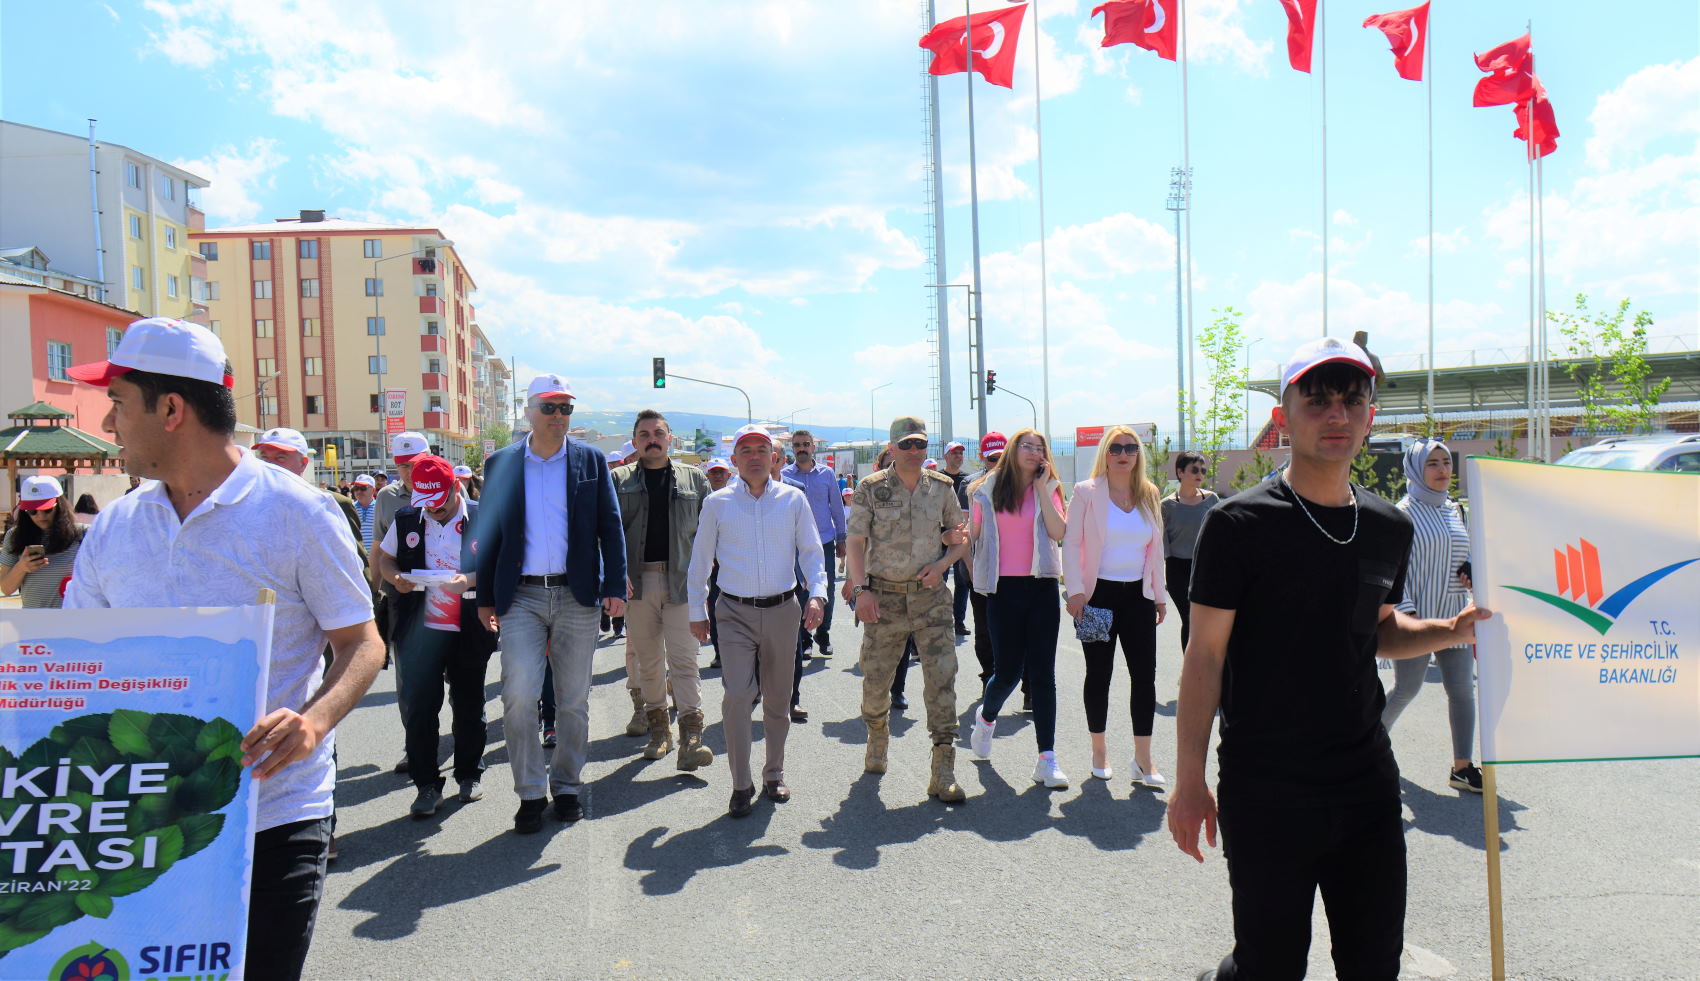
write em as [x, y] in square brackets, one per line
[947, 424]
[977, 303]
[873, 430]
[1186, 164]
[94, 211]
[1322, 79]
[1176, 203]
[1428, 81]
[1543, 381]
[1530, 449]
[1044, 280]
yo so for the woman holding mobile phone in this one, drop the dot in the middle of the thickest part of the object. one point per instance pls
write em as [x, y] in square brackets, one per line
[38, 554]
[1017, 521]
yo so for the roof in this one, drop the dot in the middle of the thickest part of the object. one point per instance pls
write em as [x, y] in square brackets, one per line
[290, 225]
[40, 410]
[53, 441]
[194, 178]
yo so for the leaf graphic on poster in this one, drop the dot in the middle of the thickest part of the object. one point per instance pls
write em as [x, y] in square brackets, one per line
[203, 773]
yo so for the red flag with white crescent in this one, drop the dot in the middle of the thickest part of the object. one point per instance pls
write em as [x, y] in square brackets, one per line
[1510, 69]
[1301, 32]
[995, 35]
[1407, 33]
[1151, 24]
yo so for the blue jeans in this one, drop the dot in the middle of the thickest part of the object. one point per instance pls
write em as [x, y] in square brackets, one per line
[1025, 613]
[547, 627]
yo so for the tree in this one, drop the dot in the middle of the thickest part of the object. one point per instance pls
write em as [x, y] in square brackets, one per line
[1252, 472]
[1221, 343]
[1609, 366]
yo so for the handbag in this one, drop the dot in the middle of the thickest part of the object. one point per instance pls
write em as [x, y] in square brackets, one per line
[1093, 625]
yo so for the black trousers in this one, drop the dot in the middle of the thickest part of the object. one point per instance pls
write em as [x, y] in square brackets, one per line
[1134, 623]
[289, 879]
[1279, 856]
[427, 659]
[983, 639]
[1179, 574]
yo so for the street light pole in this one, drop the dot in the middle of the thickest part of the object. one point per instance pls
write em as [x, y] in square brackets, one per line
[1248, 348]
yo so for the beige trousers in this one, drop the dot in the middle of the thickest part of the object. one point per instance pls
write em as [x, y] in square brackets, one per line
[757, 643]
[660, 648]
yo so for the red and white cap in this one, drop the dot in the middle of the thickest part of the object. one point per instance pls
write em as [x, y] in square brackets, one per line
[745, 432]
[956, 444]
[433, 481]
[462, 472]
[163, 346]
[929, 464]
[993, 442]
[284, 439]
[1326, 350]
[409, 446]
[39, 493]
[545, 386]
[365, 480]
[716, 464]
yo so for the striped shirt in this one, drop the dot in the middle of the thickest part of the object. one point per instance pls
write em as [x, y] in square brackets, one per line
[368, 514]
[1439, 545]
[40, 589]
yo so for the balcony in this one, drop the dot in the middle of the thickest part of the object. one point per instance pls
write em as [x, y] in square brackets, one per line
[427, 267]
[431, 342]
[436, 420]
[434, 381]
[197, 219]
[431, 304]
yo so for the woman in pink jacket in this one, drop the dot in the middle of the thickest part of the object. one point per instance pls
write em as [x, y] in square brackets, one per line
[1113, 573]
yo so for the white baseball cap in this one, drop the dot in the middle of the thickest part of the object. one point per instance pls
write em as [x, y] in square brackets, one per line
[751, 430]
[956, 444]
[365, 480]
[162, 346]
[284, 439]
[929, 464]
[1326, 350]
[716, 464]
[628, 449]
[463, 471]
[544, 386]
[39, 493]
[405, 446]
[616, 456]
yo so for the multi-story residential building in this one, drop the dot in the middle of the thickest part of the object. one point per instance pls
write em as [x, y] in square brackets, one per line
[47, 329]
[146, 207]
[495, 384]
[320, 316]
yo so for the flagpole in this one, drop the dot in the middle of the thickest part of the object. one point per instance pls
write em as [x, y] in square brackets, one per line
[975, 295]
[1322, 78]
[1530, 449]
[1044, 319]
[1428, 77]
[941, 273]
[1545, 379]
[1186, 215]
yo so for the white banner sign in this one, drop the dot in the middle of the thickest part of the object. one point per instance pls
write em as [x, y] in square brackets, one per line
[395, 402]
[1593, 651]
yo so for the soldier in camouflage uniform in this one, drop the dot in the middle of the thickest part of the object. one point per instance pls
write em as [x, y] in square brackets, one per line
[906, 529]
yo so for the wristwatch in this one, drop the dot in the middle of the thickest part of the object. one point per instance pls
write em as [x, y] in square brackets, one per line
[856, 592]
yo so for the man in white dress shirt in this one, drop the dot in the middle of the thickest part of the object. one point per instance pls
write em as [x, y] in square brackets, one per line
[759, 531]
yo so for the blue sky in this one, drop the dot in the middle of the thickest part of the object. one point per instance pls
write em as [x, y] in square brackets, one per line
[737, 186]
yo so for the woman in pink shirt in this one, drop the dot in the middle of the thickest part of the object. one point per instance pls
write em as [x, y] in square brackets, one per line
[1113, 573]
[1017, 519]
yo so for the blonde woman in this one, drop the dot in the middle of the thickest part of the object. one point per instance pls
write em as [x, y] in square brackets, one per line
[1113, 571]
[1016, 521]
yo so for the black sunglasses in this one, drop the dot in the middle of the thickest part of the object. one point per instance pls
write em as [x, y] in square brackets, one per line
[1124, 449]
[555, 408]
[915, 443]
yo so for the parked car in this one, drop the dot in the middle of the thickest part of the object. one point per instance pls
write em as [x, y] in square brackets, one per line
[1667, 452]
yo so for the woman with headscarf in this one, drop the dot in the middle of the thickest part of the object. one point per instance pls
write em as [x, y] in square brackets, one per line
[1440, 544]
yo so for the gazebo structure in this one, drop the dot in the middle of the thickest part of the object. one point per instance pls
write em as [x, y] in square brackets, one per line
[39, 438]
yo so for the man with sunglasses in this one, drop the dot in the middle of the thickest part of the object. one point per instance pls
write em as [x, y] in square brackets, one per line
[906, 529]
[551, 558]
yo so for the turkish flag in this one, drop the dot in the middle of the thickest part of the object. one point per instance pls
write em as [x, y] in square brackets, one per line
[1151, 24]
[1536, 124]
[1301, 32]
[1407, 32]
[995, 35]
[1510, 69]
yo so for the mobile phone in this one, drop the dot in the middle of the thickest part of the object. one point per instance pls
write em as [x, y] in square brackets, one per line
[34, 551]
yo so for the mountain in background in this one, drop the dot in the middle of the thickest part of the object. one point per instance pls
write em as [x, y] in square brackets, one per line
[683, 423]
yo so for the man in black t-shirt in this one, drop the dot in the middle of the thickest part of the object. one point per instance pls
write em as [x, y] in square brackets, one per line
[1293, 587]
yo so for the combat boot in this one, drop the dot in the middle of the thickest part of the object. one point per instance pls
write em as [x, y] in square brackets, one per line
[692, 753]
[660, 734]
[639, 725]
[943, 785]
[879, 741]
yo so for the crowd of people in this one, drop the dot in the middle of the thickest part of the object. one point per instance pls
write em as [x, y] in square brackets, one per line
[1287, 593]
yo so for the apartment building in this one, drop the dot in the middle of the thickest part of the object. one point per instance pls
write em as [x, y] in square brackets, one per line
[146, 213]
[321, 315]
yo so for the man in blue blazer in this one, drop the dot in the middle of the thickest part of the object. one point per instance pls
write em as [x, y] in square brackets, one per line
[551, 561]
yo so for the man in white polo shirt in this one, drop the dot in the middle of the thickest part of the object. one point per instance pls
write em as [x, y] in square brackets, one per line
[212, 527]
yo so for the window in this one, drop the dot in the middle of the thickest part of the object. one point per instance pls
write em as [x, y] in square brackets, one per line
[209, 250]
[262, 250]
[266, 367]
[430, 289]
[132, 174]
[113, 336]
[262, 328]
[216, 327]
[262, 289]
[309, 327]
[170, 237]
[167, 187]
[311, 366]
[268, 405]
[309, 287]
[135, 226]
[309, 248]
[374, 326]
[211, 290]
[374, 287]
[433, 327]
[58, 361]
[436, 403]
[372, 401]
[377, 364]
[136, 280]
[315, 405]
[372, 248]
[434, 366]
[171, 286]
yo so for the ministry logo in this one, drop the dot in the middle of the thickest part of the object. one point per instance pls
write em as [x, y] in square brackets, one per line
[1577, 570]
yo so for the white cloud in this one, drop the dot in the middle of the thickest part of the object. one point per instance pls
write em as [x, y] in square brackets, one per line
[1657, 101]
[1345, 218]
[237, 178]
[1217, 34]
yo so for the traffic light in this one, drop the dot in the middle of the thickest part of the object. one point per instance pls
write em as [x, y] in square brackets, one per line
[991, 382]
[660, 365]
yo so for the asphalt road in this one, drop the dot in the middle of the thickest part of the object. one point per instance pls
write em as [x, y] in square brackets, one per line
[865, 877]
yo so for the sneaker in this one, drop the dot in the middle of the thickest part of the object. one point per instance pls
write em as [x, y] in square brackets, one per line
[567, 807]
[980, 740]
[899, 702]
[426, 803]
[471, 790]
[401, 765]
[1467, 778]
[1048, 773]
[825, 650]
[548, 737]
[529, 818]
[1148, 778]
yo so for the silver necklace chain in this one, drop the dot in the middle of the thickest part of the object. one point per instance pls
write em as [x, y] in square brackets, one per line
[1300, 498]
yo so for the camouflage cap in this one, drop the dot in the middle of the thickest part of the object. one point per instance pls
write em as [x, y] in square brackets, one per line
[907, 426]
